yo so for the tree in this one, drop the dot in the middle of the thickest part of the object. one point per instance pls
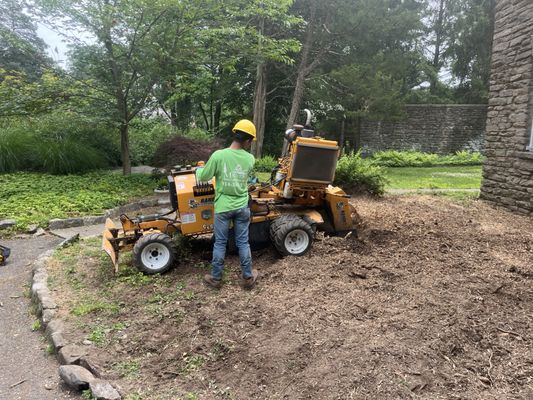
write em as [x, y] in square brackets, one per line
[471, 50]
[134, 41]
[380, 65]
[265, 46]
[21, 50]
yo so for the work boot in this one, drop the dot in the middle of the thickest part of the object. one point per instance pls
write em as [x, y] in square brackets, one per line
[214, 283]
[249, 283]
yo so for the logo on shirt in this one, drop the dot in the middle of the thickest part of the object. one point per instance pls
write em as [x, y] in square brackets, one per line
[235, 178]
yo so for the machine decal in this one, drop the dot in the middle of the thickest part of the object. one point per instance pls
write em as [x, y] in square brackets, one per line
[189, 218]
[180, 186]
[209, 201]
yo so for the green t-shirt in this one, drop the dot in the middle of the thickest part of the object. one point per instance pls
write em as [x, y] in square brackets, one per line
[231, 169]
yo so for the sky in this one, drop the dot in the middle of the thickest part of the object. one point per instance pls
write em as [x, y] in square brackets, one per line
[57, 47]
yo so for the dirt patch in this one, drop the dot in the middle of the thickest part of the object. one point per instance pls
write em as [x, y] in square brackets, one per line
[434, 300]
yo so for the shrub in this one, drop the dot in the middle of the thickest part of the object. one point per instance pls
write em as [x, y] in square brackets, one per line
[14, 150]
[395, 158]
[145, 139]
[55, 143]
[265, 164]
[359, 175]
[183, 150]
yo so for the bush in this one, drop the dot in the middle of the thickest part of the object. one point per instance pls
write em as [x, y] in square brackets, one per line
[56, 143]
[265, 164]
[359, 175]
[180, 150]
[145, 138]
[395, 158]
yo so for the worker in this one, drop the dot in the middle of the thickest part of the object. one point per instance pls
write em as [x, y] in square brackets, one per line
[231, 168]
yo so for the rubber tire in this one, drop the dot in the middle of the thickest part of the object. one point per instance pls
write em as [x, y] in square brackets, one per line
[285, 224]
[161, 238]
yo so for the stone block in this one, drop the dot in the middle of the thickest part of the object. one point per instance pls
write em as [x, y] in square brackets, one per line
[76, 377]
[71, 354]
[55, 325]
[58, 341]
[7, 223]
[102, 390]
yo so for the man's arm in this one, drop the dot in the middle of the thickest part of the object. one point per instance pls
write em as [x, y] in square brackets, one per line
[207, 172]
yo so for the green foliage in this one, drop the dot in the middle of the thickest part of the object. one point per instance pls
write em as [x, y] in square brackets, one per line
[265, 164]
[88, 307]
[58, 143]
[128, 369]
[395, 158]
[356, 174]
[97, 335]
[36, 325]
[32, 198]
[146, 136]
[21, 48]
[87, 395]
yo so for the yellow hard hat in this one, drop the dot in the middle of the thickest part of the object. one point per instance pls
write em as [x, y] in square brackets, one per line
[246, 126]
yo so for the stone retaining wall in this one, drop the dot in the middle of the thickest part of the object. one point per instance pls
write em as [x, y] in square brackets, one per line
[508, 171]
[434, 128]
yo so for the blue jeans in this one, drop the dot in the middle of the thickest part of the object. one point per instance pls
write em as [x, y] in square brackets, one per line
[241, 221]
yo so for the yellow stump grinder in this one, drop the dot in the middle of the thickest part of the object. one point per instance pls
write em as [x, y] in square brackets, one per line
[286, 211]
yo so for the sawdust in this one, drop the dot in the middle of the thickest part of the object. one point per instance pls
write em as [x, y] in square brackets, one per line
[433, 300]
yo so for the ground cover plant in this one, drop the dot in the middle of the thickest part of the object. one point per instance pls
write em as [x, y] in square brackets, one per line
[395, 158]
[418, 305]
[34, 198]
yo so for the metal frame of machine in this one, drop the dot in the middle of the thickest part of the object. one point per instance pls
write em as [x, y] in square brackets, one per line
[298, 200]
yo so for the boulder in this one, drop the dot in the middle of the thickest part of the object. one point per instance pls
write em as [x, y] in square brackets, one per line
[102, 390]
[71, 354]
[76, 377]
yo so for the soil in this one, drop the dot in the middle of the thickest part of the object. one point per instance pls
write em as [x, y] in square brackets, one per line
[433, 299]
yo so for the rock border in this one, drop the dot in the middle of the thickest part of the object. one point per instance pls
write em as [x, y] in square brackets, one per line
[111, 213]
[76, 368]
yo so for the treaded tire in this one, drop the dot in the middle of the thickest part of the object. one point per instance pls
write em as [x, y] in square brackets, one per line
[151, 248]
[286, 224]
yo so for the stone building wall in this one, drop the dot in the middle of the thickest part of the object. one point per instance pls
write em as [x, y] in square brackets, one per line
[434, 128]
[508, 171]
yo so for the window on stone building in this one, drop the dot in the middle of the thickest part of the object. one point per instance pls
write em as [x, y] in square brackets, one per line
[530, 147]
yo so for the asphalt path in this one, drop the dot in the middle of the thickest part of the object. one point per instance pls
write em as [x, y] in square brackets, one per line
[27, 372]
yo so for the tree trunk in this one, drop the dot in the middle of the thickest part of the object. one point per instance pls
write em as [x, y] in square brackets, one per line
[218, 114]
[206, 120]
[304, 69]
[125, 149]
[343, 130]
[260, 94]
[439, 28]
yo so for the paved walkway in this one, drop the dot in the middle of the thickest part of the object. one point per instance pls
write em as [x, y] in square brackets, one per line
[26, 371]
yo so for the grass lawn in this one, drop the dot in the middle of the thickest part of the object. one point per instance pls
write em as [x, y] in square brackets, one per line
[34, 198]
[457, 177]
[461, 177]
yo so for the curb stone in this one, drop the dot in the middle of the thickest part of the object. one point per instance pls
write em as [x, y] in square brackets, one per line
[77, 369]
[100, 219]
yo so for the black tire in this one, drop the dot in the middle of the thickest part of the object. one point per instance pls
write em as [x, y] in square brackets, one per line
[152, 247]
[281, 230]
